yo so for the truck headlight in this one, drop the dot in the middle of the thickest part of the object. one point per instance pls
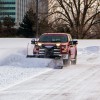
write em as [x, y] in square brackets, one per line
[39, 44]
[58, 44]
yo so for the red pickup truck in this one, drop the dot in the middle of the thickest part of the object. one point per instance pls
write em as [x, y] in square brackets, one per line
[56, 45]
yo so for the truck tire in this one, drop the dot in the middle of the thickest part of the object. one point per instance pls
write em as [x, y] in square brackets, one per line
[74, 61]
[58, 67]
[66, 61]
[69, 60]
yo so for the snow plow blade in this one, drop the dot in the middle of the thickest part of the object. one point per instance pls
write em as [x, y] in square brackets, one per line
[34, 56]
[30, 51]
[37, 56]
[30, 56]
[56, 63]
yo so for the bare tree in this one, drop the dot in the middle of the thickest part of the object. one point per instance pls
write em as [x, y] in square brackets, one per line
[95, 29]
[42, 7]
[78, 15]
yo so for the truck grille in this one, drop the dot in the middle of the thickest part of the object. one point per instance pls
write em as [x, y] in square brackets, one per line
[49, 51]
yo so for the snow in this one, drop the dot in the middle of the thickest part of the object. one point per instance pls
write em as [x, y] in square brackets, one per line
[14, 66]
[24, 78]
[89, 50]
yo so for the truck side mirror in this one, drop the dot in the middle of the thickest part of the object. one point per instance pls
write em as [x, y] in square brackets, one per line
[34, 41]
[73, 42]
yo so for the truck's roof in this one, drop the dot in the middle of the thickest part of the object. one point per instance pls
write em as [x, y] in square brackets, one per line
[56, 33]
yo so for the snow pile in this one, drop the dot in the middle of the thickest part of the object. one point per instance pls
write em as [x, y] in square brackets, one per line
[89, 51]
[14, 66]
[19, 60]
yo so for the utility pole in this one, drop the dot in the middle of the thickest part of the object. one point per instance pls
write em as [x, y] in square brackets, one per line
[36, 18]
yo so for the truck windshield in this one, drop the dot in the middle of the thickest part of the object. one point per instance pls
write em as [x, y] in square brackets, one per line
[53, 38]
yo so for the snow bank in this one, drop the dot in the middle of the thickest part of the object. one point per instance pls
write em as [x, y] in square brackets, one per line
[89, 51]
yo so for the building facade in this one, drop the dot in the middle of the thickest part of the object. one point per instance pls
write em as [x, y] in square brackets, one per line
[7, 8]
[17, 8]
[21, 8]
[13, 8]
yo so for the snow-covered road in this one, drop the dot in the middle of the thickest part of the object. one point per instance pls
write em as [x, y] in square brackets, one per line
[79, 82]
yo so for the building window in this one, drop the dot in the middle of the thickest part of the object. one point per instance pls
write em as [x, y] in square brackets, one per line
[7, 8]
[7, 2]
[7, 13]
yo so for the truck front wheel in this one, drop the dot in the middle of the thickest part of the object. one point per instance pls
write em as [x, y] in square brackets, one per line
[67, 61]
[73, 62]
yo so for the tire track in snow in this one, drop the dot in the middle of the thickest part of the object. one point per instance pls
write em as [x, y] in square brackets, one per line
[66, 86]
[60, 82]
